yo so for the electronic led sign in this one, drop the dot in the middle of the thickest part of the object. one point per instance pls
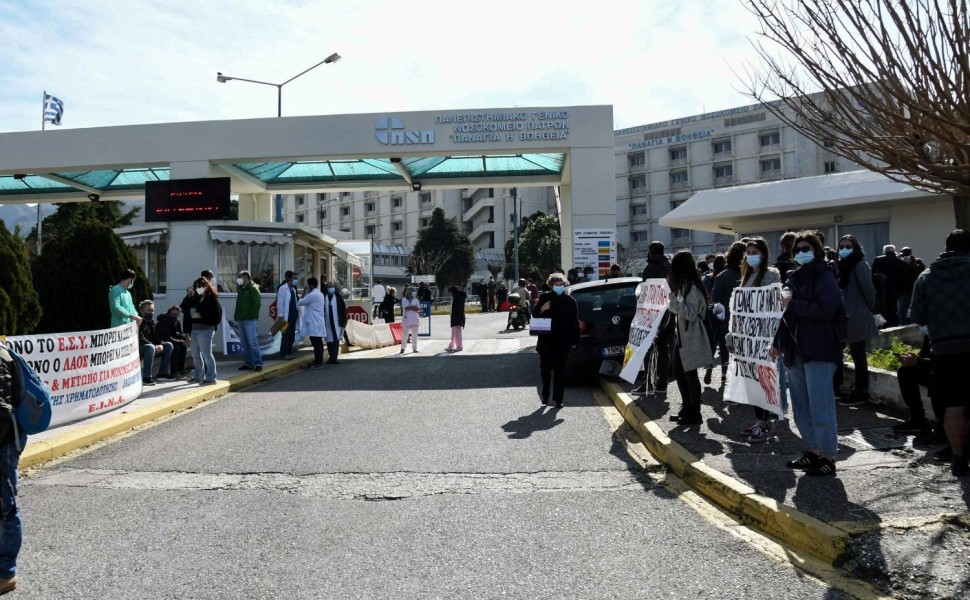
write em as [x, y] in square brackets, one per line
[187, 199]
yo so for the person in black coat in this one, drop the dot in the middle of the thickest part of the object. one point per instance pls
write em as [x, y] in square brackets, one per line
[458, 297]
[553, 347]
[386, 308]
[169, 329]
[894, 270]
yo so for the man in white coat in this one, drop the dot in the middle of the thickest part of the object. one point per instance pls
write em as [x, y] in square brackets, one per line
[313, 326]
[377, 296]
[334, 320]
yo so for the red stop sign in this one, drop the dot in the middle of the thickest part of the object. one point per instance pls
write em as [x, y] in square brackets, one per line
[357, 273]
[358, 313]
[272, 310]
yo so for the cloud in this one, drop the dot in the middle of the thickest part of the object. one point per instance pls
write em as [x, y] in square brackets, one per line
[120, 62]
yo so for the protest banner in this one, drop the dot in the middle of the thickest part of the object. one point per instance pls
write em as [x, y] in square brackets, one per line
[752, 374]
[651, 308]
[269, 343]
[87, 372]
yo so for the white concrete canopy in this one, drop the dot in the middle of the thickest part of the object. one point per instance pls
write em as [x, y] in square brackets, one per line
[581, 135]
[735, 208]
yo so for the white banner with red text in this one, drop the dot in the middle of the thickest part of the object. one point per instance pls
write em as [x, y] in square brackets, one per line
[752, 373]
[87, 372]
[654, 296]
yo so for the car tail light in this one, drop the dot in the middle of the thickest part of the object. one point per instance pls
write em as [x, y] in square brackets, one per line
[582, 326]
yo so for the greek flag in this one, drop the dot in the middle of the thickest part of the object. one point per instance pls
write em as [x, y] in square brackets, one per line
[53, 109]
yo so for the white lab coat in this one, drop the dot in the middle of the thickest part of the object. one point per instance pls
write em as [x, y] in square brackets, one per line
[283, 302]
[313, 324]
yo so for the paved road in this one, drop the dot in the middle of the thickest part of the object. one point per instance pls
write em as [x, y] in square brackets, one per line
[423, 476]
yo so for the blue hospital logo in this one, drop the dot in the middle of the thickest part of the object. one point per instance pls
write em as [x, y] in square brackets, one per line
[390, 131]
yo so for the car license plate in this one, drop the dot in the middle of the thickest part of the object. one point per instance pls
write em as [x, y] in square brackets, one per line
[612, 350]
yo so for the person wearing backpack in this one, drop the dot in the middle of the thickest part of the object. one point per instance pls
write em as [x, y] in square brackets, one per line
[692, 349]
[12, 441]
[756, 273]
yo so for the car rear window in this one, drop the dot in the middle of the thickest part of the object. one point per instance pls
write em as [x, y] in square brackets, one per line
[606, 297]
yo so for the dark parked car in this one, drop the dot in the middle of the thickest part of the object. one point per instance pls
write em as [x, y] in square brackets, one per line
[606, 309]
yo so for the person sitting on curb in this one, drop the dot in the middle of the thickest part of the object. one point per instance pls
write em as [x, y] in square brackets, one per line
[150, 347]
[913, 374]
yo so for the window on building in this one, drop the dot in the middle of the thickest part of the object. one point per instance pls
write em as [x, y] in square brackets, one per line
[425, 198]
[397, 201]
[152, 259]
[262, 261]
[678, 179]
[678, 153]
[680, 234]
[345, 229]
[300, 219]
[425, 221]
[744, 120]
[344, 211]
[675, 203]
[323, 214]
[638, 183]
[638, 237]
[831, 166]
[369, 207]
[637, 159]
[344, 194]
[370, 229]
[638, 209]
[828, 143]
[723, 172]
[491, 239]
[721, 146]
[300, 199]
[771, 166]
[397, 226]
[491, 192]
[770, 138]
[321, 197]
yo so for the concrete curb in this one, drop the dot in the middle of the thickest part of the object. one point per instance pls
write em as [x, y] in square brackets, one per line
[55, 447]
[773, 518]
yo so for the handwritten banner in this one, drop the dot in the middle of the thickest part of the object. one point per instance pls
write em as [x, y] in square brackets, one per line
[753, 374]
[652, 301]
[87, 372]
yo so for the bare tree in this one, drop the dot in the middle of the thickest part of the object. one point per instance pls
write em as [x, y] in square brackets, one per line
[426, 263]
[882, 83]
[633, 260]
[495, 268]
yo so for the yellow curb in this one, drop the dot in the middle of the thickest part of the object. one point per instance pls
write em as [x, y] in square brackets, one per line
[820, 539]
[55, 447]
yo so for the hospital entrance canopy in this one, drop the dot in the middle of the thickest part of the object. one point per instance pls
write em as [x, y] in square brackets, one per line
[569, 147]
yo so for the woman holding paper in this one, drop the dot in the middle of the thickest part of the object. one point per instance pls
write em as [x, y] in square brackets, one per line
[755, 272]
[688, 302]
[809, 339]
[553, 347]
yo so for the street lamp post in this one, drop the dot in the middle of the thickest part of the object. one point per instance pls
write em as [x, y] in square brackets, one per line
[279, 86]
[516, 221]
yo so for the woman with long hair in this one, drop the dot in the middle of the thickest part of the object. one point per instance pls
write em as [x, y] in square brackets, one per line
[458, 297]
[692, 349]
[809, 339]
[755, 272]
[206, 314]
[859, 294]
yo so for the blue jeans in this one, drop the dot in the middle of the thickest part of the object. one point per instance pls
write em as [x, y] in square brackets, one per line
[205, 362]
[813, 404]
[148, 359]
[11, 534]
[250, 345]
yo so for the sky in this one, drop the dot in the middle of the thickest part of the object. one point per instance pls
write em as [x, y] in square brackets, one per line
[115, 62]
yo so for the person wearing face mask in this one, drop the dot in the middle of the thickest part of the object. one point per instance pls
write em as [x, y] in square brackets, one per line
[120, 304]
[149, 346]
[755, 272]
[313, 320]
[692, 349]
[810, 340]
[335, 321]
[914, 266]
[859, 294]
[206, 314]
[554, 347]
[286, 308]
[411, 311]
[246, 315]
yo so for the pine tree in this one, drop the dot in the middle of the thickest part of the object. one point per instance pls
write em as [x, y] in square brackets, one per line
[19, 304]
[75, 272]
[443, 235]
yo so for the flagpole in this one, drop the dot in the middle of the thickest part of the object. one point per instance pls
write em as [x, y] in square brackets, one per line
[43, 127]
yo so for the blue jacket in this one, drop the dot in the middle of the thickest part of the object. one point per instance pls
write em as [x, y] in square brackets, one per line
[810, 325]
